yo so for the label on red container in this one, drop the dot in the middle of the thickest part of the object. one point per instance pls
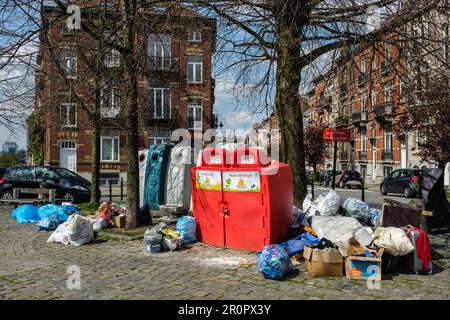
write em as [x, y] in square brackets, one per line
[208, 180]
[247, 160]
[245, 181]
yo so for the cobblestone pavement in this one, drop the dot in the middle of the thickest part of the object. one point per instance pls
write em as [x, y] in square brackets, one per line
[30, 268]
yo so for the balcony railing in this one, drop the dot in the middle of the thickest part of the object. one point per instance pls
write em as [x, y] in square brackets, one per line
[342, 121]
[111, 112]
[383, 111]
[362, 155]
[387, 154]
[161, 63]
[161, 114]
[359, 117]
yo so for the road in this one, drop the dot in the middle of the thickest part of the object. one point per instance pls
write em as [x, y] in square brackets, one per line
[373, 198]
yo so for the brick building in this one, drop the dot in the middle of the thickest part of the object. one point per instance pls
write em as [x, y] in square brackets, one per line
[176, 89]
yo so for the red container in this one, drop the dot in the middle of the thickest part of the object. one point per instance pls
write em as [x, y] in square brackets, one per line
[243, 206]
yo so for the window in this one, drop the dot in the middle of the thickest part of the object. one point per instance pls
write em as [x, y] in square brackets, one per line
[68, 144]
[195, 36]
[363, 139]
[109, 146]
[159, 50]
[387, 51]
[107, 179]
[25, 173]
[112, 58]
[195, 69]
[68, 63]
[352, 104]
[363, 65]
[110, 102]
[373, 96]
[387, 92]
[158, 136]
[195, 113]
[68, 115]
[387, 170]
[363, 101]
[374, 64]
[344, 107]
[388, 137]
[396, 174]
[159, 100]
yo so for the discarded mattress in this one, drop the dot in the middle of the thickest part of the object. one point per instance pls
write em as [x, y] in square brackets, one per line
[26, 213]
[340, 229]
[397, 214]
[77, 230]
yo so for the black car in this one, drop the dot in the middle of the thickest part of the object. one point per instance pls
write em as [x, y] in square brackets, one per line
[349, 178]
[69, 186]
[403, 181]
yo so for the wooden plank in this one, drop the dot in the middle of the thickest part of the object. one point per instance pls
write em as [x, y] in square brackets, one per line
[427, 213]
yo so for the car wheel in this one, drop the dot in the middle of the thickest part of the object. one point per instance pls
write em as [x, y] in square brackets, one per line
[69, 197]
[407, 192]
[383, 190]
[6, 195]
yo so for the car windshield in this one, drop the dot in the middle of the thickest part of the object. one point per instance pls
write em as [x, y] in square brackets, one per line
[354, 174]
[64, 173]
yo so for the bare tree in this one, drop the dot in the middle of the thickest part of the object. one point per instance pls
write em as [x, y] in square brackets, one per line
[285, 39]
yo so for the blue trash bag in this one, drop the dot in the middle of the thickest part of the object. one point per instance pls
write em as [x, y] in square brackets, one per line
[188, 228]
[274, 262]
[50, 210]
[376, 217]
[48, 223]
[296, 245]
[69, 209]
[26, 213]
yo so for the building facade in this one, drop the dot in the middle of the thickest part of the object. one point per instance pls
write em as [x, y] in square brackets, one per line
[176, 89]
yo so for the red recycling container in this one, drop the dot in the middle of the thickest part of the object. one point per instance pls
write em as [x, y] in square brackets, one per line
[246, 203]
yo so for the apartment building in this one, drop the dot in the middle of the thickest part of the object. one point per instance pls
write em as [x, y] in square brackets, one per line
[365, 93]
[176, 89]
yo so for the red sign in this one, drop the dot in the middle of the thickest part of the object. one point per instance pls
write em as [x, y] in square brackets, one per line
[336, 135]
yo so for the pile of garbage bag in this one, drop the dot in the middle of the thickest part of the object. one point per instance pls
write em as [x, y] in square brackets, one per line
[76, 231]
[161, 237]
[46, 216]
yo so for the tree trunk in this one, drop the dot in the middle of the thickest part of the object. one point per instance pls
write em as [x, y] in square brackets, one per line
[287, 103]
[130, 112]
[95, 178]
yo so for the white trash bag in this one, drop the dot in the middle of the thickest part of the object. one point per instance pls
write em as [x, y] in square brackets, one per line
[309, 206]
[77, 230]
[393, 240]
[329, 206]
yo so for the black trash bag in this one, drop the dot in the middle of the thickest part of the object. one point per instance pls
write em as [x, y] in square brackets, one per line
[435, 200]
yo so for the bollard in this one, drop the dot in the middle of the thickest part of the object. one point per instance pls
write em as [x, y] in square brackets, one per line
[362, 192]
[121, 189]
[312, 188]
[110, 192]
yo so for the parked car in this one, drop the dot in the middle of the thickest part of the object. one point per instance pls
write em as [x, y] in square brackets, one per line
[403, 181]
[349, 178]
[69, 186]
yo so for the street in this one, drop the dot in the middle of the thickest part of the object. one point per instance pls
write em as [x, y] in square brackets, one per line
[373, 198]
[31, 268]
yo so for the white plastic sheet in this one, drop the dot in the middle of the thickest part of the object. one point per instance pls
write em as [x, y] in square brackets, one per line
[340, 229]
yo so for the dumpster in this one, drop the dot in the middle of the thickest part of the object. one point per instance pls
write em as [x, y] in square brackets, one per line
[155, 175]
[241, 199]
[178, 184]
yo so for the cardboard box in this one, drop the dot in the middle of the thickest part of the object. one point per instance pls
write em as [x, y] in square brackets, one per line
[363, 268]
[321, 263]
[354, 248]
[119, 221]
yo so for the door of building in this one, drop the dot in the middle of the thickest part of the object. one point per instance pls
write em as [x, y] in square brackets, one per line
[68, 155]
